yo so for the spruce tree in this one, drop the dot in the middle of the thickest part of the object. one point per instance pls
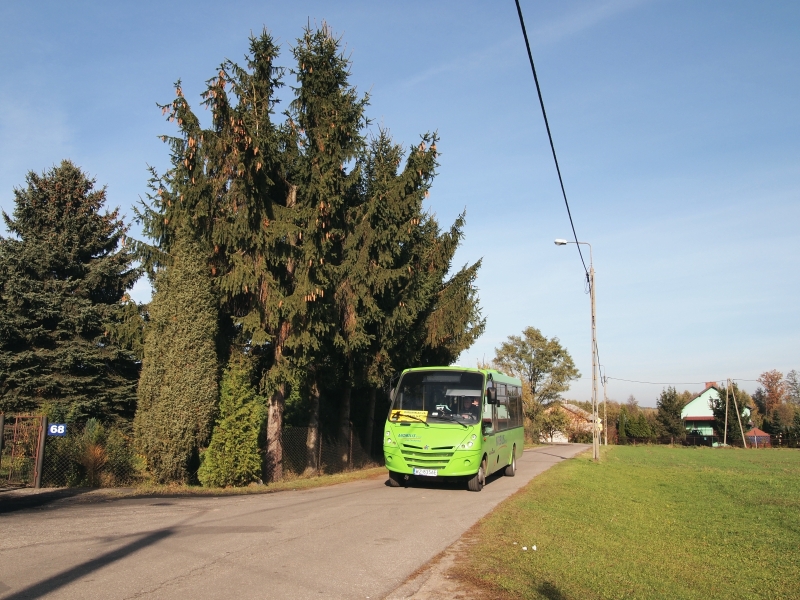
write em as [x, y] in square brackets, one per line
[383, 253]
[234, 457]
[328, 116]
[228, 189]
[63, 276]
[669, 413]
[278, 211]
[178, 386]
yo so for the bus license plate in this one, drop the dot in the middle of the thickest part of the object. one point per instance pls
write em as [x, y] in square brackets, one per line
[426, 472]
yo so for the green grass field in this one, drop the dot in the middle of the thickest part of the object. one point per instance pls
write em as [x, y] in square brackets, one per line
[647, 522]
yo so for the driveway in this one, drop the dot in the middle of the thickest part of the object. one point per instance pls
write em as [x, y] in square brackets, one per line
[354, 540]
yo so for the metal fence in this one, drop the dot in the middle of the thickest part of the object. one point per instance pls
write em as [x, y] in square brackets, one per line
[306, 453]
[95, 455]
[21, 438]
[761, 441]
[91, 455]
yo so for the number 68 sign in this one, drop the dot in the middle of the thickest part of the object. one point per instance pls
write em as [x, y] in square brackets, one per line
[57, 429]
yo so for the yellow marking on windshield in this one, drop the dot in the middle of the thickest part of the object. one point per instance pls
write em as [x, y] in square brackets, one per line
[409, 415]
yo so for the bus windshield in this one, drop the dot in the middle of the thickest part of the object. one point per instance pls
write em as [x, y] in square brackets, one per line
[439, 396]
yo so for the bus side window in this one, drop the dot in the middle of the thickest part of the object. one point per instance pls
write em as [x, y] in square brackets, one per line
[515, 407]
[503, 422]
[488, 426]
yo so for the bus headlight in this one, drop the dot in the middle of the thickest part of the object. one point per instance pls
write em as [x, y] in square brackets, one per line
[469, 444]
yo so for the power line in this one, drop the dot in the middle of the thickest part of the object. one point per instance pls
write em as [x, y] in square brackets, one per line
[677, 382]
[549, 135]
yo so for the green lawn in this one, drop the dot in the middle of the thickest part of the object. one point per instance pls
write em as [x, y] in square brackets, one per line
[648, 522]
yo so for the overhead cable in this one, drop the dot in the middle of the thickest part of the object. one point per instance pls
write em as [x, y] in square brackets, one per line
[549, 135]
[677, 382]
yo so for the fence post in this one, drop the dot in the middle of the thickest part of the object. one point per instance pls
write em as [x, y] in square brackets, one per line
[2, 431]
[40, 454]
[319, 459]
[350, 462]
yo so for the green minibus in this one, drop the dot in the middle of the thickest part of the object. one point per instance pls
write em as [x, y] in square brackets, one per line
[453, 423]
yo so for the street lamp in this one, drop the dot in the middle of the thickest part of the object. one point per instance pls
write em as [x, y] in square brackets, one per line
[595, 433]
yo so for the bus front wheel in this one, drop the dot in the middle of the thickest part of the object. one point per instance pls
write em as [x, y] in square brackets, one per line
[396, 479]
[511, 468]
[475, 484]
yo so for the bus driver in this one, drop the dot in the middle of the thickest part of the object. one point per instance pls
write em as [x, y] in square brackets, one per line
[471, 408]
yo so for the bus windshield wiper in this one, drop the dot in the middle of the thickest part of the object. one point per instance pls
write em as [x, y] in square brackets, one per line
[453, 419]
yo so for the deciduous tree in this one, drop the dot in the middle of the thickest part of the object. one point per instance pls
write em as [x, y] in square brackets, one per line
[775, 389]
[793, 387]
[554, 420]
[543, 364]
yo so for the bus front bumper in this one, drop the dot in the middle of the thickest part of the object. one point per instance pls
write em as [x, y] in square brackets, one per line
[462, 463]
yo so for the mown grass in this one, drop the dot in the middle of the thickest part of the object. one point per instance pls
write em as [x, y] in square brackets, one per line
[647, 522]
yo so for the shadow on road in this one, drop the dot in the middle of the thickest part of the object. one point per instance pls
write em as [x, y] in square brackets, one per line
[14, 503]
[37, 590]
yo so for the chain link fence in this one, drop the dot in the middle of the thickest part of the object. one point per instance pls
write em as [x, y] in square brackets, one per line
[307, 454]
[95, 455]
[91, 455]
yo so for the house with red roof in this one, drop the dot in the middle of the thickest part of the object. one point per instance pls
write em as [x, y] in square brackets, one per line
[758, 439]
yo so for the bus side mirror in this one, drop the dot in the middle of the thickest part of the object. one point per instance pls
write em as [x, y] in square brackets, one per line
[491, 395]
[391, 396]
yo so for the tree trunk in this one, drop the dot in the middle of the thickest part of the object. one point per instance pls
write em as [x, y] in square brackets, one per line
[312, 437]
[344, 424]
[277, 402]
[370, 420]
[274, 462]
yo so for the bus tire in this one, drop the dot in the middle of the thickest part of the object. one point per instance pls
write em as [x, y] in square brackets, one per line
[511, 468]
[395, 479]
[475, 484]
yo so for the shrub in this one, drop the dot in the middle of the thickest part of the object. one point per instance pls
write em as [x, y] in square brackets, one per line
[234, 456]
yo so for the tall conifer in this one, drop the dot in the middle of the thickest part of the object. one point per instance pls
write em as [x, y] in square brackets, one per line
[328, 116]
[178, 387]
[228, 188]
[63, 276]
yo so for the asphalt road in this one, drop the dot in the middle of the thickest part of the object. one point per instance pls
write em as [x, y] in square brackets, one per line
[354, 540]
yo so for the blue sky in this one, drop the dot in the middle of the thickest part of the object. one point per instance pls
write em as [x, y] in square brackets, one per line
[676, 124]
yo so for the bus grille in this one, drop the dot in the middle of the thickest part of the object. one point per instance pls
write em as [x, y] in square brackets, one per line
[433, 458]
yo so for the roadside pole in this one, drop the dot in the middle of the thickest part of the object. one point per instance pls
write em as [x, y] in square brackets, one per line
[40, 453]
[595, 433]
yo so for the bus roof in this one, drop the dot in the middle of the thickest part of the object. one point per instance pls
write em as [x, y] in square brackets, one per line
[496, 375]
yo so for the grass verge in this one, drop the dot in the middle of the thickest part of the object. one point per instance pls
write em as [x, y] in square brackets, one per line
[17, 498]
[289, 483]
[646, 522]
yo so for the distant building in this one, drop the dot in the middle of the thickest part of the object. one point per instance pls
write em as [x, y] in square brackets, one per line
[579, 420]
[698, 415]
[758, 439]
